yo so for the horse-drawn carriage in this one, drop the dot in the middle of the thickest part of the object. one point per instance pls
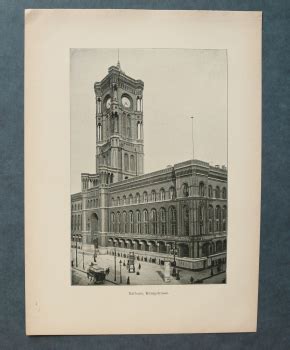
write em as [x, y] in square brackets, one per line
[96, 274]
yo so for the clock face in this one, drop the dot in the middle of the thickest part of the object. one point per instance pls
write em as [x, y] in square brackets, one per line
[126, 102]
[108, 103]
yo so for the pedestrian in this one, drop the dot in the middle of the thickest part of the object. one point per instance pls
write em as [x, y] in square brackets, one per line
[128, 280]
[139, 266]
[191, 280]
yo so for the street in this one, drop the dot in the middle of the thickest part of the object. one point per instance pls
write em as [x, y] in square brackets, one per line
[149, 273]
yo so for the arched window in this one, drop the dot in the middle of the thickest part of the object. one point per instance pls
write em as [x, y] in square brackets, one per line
[163, 221]
[138, 104]
[124, 200]
[88, 224]
[139, 134]
[224, 193]
[185, 191]
[201, 218]
[218, 218]
[129, 131]
[162, 194]
[172, 221]
[137, 197]
[118, 201]
[131, 222]
[172, 193]
[118, 222]
[113, 228]
[99, 105]
[124, 222]
[201, 189]
[219, 246]
[210, 218]
[145, 218]
[210, 191]
[138, 216]
[153, 196]
[99, 132]
[154, 221]
[130, 198]
[145, 197]
[132, 163]
[113, 201]
[224, 216]
[126, 161]
[217, 192]
[186, 220]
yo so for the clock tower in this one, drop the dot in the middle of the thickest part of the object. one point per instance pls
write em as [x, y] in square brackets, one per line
[119, 126]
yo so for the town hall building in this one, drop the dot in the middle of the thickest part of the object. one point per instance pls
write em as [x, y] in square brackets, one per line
[177, 213]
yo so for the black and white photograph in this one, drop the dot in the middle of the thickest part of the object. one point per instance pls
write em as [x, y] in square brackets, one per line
[149, 171]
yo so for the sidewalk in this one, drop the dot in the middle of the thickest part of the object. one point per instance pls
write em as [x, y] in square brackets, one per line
[150, 273]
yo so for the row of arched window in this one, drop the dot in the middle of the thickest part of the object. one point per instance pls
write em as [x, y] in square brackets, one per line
[113, 127]
[164, 222]
[145, 222]
[217, 218]
[145, 197]
[92, 203]
[161, 196]
[129, 165]
[76, 206]
[217, 192]
[76, 222]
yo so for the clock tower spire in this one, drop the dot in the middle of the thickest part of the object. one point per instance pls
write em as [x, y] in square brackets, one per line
[119, 125]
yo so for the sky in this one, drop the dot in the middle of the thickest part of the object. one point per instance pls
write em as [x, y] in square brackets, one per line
[178, 84]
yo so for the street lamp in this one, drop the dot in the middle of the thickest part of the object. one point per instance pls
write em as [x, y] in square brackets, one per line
[174, 251]
[120, 262]
[75, 236]
[95, 241]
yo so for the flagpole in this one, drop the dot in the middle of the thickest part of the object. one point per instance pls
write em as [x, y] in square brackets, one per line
[192, 137]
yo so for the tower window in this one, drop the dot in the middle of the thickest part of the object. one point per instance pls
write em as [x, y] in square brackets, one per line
[126, 161]
[99, 132]
[139, 126]
[129, 131]
[99, 108]
[132, 163]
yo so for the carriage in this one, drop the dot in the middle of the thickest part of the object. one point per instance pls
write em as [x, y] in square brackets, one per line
[96, 273]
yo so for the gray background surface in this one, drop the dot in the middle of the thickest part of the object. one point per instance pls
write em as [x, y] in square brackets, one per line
[274, 290]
